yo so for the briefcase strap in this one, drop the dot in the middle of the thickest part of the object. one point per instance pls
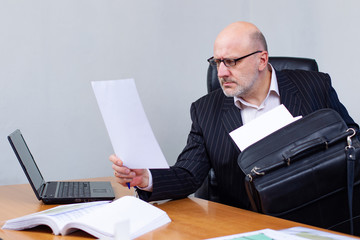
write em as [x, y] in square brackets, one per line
[350, 156]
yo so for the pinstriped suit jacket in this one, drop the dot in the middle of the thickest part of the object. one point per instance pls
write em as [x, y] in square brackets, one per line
[210, 146]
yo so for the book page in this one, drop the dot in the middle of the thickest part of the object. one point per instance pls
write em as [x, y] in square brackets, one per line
[55, 217]
[143, 217]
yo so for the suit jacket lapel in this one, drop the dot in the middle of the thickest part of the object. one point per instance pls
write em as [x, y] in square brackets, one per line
[231, 115]
[289, 95]
[231, 118]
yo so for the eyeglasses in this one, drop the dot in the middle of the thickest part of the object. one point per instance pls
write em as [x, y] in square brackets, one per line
[228, 62]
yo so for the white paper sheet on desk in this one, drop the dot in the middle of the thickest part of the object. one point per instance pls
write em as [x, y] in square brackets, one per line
[262, 126]
[127, 125]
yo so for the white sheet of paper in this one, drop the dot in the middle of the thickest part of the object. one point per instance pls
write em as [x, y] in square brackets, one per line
[128, 127]
[262, 126]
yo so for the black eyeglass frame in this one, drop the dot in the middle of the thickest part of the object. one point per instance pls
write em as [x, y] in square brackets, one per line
[213, 60]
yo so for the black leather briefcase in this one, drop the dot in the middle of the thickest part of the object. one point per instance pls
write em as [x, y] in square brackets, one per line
[301, 172]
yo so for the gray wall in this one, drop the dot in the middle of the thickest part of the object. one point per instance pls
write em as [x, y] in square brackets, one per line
[51, 50]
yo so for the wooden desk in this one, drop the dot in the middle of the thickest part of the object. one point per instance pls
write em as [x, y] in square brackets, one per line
[192, 218]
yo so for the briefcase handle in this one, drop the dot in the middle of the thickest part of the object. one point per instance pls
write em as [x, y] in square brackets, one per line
[299, 152]
[305, 148]
[314, 145]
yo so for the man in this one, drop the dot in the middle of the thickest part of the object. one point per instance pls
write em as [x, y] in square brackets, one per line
[250, 87]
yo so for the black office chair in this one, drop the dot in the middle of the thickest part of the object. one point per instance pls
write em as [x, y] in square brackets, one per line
[208, 189]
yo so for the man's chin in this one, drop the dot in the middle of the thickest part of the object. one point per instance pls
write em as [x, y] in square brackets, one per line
[228, 92]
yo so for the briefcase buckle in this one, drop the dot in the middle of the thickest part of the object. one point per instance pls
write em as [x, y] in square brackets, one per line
[349, 141]
[254, 171]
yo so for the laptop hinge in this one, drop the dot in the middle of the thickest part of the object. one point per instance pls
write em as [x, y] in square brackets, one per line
[42, 190]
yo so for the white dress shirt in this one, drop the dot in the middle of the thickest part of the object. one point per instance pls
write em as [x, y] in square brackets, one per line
[250, 111]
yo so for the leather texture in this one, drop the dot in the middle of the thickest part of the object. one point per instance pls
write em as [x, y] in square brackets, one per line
[300, 172]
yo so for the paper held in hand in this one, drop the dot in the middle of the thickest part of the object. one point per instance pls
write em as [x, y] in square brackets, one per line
[127, 125]
[262, 126]
[96, 218]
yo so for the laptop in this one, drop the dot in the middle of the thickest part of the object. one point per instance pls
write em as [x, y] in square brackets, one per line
[56, 192]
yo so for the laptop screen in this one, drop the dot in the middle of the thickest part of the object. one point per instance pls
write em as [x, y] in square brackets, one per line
[26, 160]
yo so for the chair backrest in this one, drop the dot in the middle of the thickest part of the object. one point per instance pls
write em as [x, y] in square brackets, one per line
[279, 63]
[208, 190]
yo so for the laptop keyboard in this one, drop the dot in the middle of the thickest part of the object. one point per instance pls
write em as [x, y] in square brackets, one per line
[74, 189]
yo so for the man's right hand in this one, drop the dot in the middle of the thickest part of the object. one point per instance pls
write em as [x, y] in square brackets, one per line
[124, 175]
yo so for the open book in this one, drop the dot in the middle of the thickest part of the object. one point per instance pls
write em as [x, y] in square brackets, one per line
[96, 218]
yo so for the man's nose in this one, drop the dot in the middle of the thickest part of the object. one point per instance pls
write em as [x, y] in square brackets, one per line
[223, 71]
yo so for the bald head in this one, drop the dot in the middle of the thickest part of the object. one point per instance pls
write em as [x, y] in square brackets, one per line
[249, 75]
[242, 36]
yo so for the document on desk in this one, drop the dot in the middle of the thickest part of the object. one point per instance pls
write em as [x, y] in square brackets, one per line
[128, 127]
[309, 233]
[262, 126]
[264, 234]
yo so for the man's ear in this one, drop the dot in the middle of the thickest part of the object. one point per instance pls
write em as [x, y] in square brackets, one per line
[264, 59]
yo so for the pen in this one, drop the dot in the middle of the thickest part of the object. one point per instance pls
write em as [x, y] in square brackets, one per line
[128, 184]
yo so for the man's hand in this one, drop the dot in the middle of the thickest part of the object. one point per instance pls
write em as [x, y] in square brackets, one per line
[136, 177]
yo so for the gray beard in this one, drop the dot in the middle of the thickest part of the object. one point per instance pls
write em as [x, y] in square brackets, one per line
[237, 92]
